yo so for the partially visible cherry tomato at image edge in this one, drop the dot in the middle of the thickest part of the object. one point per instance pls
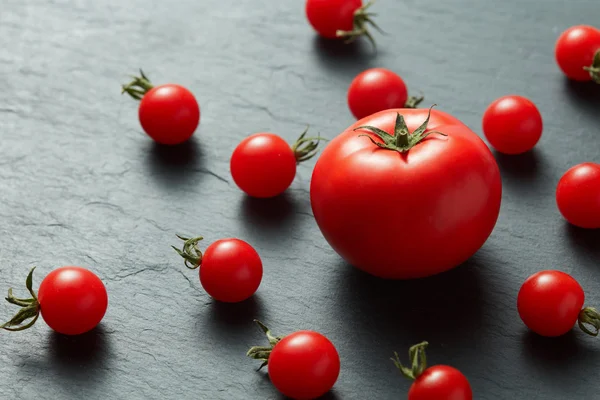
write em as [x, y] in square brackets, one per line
[577, 53]
[168, 113]
[71, 300]
[512, 124]
[578, 195]
[230, 269]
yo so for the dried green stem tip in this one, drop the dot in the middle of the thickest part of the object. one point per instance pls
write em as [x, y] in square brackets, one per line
[190, 251]
[262, 353]
[589, 316]
[138, 87]
[306, 148]
[594, 69]
[418, 361]
[402, 140]
[361, 18]
[30, 308]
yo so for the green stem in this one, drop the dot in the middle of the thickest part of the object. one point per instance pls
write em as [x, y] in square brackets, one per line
[190, 251]
[30, 308]
[361, 18]
[594, 69]
[589, 316]
[262, 353]
[306, 148]
[418, 361]
[138, 87]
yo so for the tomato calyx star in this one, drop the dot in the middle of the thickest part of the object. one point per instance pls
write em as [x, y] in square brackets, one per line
[418, 360]
[589, 316]
[262, 353]
[190, 251]
[361, 18]
[306, 148]
[30, 308]
[402, 140]
[594, 69]
[138, 87]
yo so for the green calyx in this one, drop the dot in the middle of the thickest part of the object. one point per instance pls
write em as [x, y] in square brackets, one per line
[30, 308]
[190, 251]
[589, 316]
[418, 360]
[262, 353]
[138, 87]
[594, 69]
[402, 140]
[361, 18]
[306, 148]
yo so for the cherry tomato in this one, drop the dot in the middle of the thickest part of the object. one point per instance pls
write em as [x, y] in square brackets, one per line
[578, 49]
[264, 165]
[302, 365]
[578, 195]
[230, 269]
[340, 18]
[439, 382]
[417, 207]
[169, 113]
[378, 89]
[71, 300]
[512, 124]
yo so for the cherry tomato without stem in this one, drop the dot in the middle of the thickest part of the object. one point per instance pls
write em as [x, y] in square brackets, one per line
[230, 269]
[578, 48]
[263, 165]
[512, 124]
[169, 113]
[360, 194]
[303, 365]
[71, 300]
[578, 195]
[378, 89]
[550, 303]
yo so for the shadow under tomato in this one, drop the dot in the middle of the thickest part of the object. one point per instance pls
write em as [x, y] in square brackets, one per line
[586, 242]
[331, 395]
[586, 95]
[520, 169]
[173, 166]
[236, 315]
[337, 55]
[268, 217]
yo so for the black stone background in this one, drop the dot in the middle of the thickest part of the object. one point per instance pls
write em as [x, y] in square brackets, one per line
[81, 184]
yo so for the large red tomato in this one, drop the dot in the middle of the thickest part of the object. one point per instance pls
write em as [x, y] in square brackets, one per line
[422, 205]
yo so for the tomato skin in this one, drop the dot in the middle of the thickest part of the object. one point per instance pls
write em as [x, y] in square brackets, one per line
[512, 124]
[408, 215]
[441, 382]
[374, 90]
[73, 300]
[263, 165]
[304, 365]
[578, 195]
[169, 114]
[231, 270]
[329, 16]
[575, 49]
[549, 302]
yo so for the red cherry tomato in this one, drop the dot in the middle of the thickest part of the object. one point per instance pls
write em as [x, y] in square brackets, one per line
[169, 113]
[230, 269]
[377, 89]
[512, 124]
[406, 212]
[576, 49]
[71, 300]
[578, 195]
[264, 165]
[303, 365]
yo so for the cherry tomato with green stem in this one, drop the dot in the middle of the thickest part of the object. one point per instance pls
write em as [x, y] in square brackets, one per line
[71, 300]
[577, 53]
[578, 195]
[378, 89]
[303, 365]
[512, 124]
[346, 19]
[551, 302]
[440, 382]
[168, 113]
[263, 165]
[230, 269]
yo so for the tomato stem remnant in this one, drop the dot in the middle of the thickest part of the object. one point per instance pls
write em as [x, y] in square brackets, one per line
[402, 140]
[30, 308]
[306, 148]
[361, 18]
[589, 316]
[190, 252]
[138, 87]
[594, 69]
[418, 360]
[413, 101]
[262, 353]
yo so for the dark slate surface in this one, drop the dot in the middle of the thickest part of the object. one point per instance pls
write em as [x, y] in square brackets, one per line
[81, 184]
